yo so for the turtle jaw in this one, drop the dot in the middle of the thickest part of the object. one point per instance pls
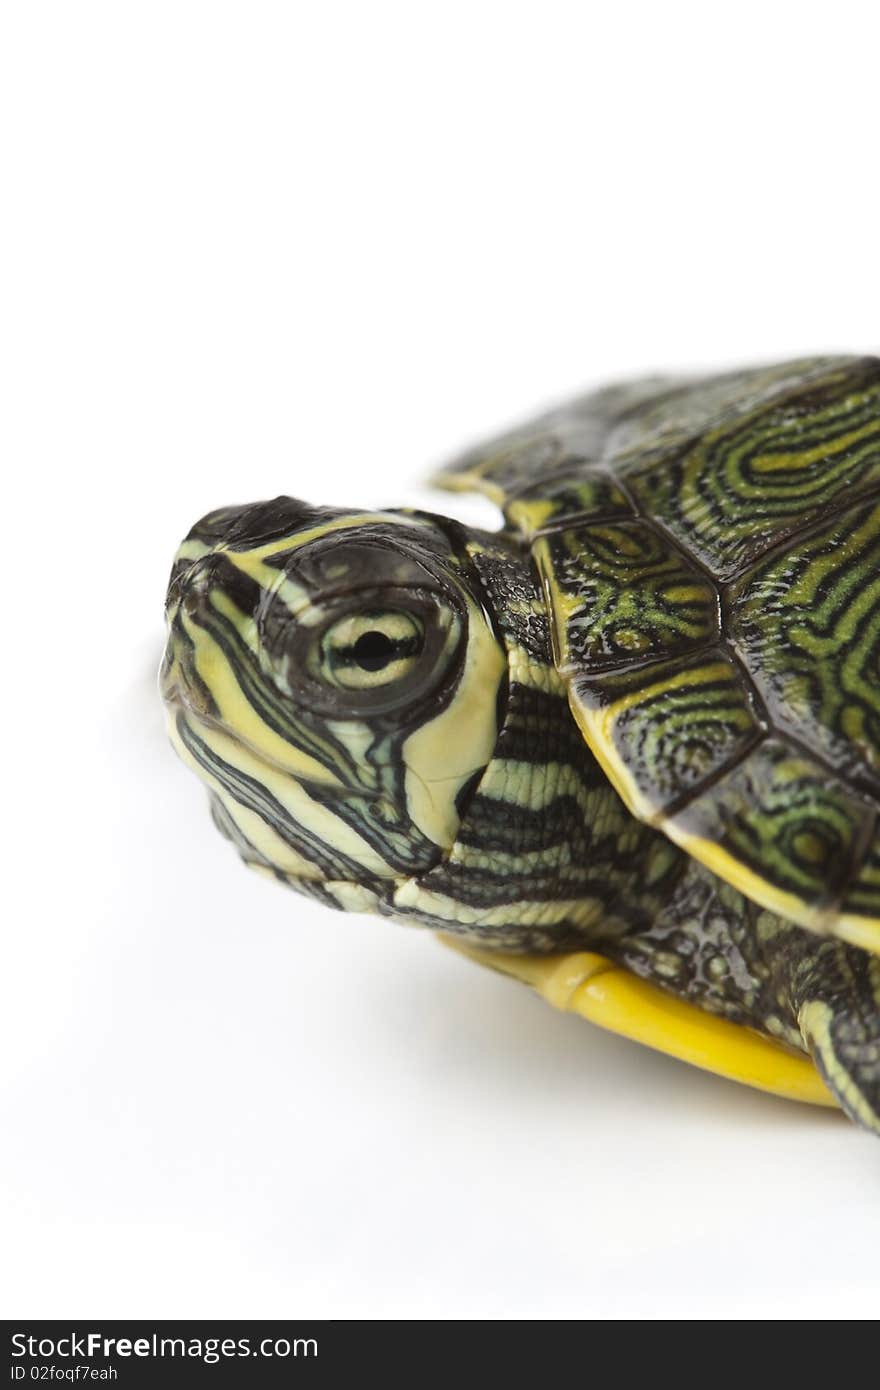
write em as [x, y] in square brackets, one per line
[279, 822]
[190, 728]
[262, 803]
[179, 686]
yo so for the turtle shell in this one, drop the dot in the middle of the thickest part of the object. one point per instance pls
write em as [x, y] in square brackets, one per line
[710, 555]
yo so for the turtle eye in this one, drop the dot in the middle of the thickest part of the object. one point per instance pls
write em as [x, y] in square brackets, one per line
[370, 649]
[373, 654]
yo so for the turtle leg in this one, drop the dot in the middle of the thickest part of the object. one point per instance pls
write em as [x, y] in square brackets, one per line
[714, 948]
[711, 973]
[835, 991]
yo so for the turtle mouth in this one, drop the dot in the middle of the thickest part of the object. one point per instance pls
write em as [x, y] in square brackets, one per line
[245, 779]
[183, 711]
[179, 686]
[189, 700]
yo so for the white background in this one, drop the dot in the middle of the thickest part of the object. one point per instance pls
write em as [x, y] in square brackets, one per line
[254, 248]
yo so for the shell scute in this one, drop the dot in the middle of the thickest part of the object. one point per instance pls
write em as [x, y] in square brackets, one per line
[620, 594]
[669, 730]
[755, 478]
[806, 623]
[782, 830]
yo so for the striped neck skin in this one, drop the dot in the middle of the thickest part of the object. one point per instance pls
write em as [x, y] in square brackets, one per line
[546, 858]
[336, 680]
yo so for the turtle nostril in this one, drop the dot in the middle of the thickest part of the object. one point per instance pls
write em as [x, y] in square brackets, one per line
[191, 585]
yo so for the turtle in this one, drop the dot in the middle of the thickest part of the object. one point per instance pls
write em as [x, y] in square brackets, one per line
[624, 748]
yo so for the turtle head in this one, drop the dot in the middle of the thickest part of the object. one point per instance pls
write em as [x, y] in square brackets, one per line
[336, 680]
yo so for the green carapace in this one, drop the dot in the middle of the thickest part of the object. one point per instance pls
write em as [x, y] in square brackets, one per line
[625, 748]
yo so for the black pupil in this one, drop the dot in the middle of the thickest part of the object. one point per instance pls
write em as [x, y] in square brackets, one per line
[374, 650]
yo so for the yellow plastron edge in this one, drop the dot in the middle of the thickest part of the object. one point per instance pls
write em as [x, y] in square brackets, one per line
[613, 998]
